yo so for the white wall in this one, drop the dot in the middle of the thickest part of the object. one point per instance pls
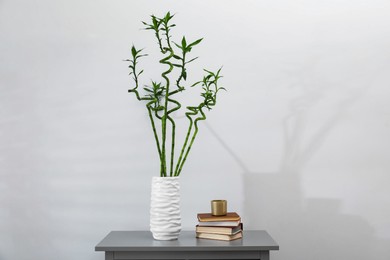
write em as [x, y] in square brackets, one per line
[300, 140]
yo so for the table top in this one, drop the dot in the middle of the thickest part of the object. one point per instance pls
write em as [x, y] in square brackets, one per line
[143, 241]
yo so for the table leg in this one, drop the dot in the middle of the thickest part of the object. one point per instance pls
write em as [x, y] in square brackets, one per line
[264, 255]
[109, 255]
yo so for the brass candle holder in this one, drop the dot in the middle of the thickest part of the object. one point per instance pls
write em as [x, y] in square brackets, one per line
[218, 207]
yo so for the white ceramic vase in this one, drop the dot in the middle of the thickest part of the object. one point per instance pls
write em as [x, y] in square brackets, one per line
[165, 220]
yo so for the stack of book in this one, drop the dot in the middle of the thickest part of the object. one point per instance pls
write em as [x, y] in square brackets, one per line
[228, 227]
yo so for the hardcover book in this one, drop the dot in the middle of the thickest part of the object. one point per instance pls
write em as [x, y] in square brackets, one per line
[219, 236]
[207, 217]
[219, 230]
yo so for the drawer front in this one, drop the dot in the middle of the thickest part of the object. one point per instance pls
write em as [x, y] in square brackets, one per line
[167, 255]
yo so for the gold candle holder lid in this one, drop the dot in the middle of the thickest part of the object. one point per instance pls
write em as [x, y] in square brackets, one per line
[218, 207]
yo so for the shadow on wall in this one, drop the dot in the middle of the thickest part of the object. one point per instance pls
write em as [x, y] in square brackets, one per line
[313, 228]
[305, 228]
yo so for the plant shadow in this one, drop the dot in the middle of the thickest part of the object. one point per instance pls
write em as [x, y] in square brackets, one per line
[305, 228]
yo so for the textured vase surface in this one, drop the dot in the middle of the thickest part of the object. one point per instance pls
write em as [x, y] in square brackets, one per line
[165, 220]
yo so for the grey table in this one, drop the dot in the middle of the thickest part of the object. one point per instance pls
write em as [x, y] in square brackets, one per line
[126, 245]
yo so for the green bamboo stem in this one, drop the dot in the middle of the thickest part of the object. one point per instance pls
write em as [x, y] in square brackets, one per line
[188, 115]
[156, 25]
[167, 100]
[166, 27]
[164, 117]
[172, 145]
[154, 133]
[178, 106]
[203, 117]
[182, 72]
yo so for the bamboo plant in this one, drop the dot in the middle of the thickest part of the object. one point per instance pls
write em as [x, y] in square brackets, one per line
[161, 97]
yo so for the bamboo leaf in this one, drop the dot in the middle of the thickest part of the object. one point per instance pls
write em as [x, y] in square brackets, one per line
[133, 51]
[195, 42]
[178, 46]
[196, 83]
[143, 55]
[183, 42]
[191, 60]
[177, 57]
[168, 17]
[209, 72]
[155, 22]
